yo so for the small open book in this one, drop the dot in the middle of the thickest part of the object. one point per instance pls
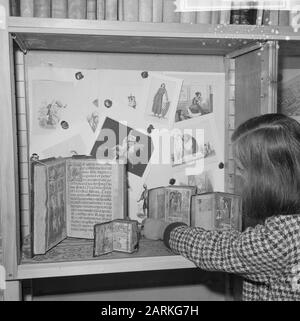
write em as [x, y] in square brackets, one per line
[118, 235]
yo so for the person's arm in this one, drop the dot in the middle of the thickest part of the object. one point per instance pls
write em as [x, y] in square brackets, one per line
[257, 254]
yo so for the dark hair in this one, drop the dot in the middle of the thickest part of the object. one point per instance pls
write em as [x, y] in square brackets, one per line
[268, 149]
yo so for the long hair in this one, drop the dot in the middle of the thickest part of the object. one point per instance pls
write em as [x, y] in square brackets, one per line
[268, 149]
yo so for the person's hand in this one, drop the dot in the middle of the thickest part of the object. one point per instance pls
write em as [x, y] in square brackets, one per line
[153, 229]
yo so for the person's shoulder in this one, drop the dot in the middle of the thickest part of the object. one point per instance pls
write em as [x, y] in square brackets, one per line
[285, 225]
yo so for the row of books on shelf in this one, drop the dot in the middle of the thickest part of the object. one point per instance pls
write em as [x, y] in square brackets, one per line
[143, 11]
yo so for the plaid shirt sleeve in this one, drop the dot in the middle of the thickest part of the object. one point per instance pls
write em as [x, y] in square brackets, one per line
[257, 253]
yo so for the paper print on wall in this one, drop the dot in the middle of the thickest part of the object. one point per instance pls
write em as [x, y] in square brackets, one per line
[51, 101]
[124, 89]
[197, 141]
[163, 93]
[201, 94]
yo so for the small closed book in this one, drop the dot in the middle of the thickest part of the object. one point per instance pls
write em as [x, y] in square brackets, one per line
[217, 211]
[71, 195]
[118, 235]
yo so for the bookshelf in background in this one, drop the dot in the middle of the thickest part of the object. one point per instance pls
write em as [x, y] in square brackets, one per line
[156, 11]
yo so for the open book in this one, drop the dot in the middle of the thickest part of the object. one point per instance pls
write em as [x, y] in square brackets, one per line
[118, 235]
[71, 195]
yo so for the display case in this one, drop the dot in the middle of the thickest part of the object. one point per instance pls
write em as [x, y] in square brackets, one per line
[247, 56]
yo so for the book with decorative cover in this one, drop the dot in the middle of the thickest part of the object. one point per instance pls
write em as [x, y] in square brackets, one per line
[171, 203]
[217, 211]
[118, 235]
[71, 195]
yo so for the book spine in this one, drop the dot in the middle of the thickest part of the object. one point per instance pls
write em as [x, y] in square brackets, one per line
[259, 17]
[284, 18]
[169, 14]
[100, 9]
[42, 8]
[145, 10]
[111, 10]
[59, 9]
[266, 17]
[248, 16]
[14, 8]
[26, 8]
[225, 17]
[120, 10]
[131, 10]
[91, 9]
[204, 17]
[157, 11]
[292, 16]
[274, 17]
[235, 17]
[77, 9]
[188, 17]
[215, 17]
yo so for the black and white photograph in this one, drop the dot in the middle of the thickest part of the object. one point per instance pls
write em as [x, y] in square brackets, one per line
[150, 156]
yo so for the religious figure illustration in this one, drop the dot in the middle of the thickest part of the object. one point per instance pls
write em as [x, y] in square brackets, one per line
[161, 102]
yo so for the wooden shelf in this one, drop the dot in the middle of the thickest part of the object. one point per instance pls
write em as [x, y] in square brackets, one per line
[46, 270]
[116, 36]
[75, 256]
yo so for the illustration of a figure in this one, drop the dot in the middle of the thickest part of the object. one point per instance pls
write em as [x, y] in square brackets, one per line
[144, 198]
[196, 108]
[161, 102]
[93, 121]
[49, 114]
[189, 145]
[131, 101]
[175, 201]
